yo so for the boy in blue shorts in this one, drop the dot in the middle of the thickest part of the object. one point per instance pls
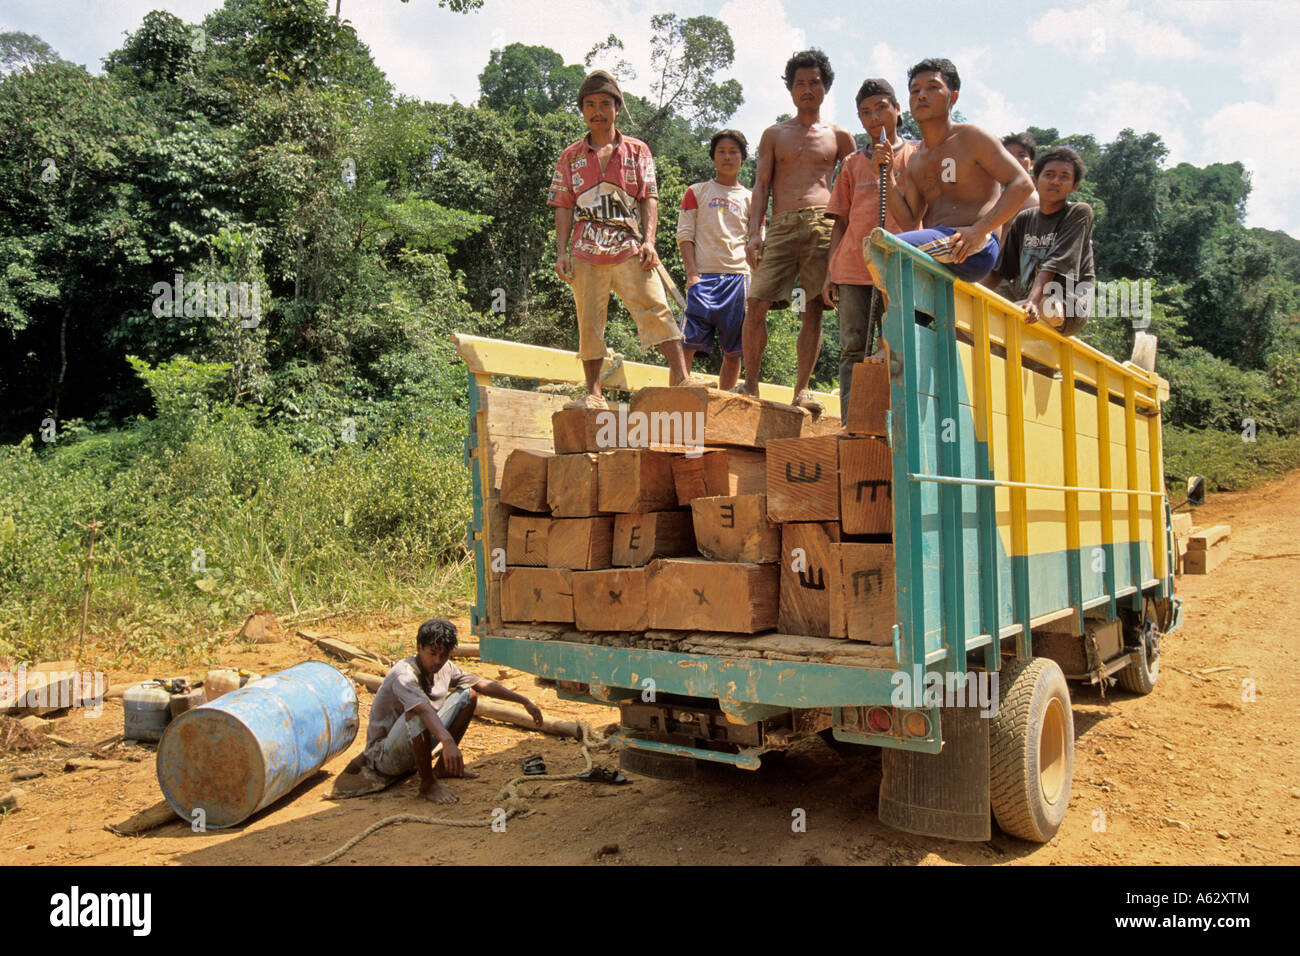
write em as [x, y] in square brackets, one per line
[711, 231]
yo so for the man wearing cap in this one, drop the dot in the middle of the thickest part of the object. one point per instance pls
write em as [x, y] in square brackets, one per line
[855, 207]
[606, 182]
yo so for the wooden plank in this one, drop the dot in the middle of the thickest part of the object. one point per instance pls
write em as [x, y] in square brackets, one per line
[498, 545]
[523, 481]
[868, 399]
[1207, 538]
[526, 544]
[487, 357]
[515, 419]
[574, 430]
[803, 481]
[537, 594]
[580, 544]
[636, 480]
[720, 471]
[735, 528]
[690, 594]
[1205, 561]
[869, 591]
[731, 419]
[1182, 523]
[812, 590]
[866, 486]
[614, 600]
[572, 486]
[640, 538]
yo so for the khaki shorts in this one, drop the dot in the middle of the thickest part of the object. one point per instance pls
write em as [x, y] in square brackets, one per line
[798, 244]
[641, 292]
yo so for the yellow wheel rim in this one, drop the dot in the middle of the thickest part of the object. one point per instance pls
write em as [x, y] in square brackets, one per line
[1051, 751]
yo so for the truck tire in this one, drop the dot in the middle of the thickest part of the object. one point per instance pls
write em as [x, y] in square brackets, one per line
[1031, 750]
[1142, 673]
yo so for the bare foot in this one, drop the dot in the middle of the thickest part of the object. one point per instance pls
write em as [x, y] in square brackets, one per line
[465, 773]
[438, 793]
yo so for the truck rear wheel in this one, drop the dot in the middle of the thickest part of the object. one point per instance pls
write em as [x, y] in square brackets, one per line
[1031, 750]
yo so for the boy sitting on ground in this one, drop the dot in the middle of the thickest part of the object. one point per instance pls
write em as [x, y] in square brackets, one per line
[711, 231]
[426, 703]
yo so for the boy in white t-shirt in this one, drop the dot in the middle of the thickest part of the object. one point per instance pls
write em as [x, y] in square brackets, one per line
[711, 231]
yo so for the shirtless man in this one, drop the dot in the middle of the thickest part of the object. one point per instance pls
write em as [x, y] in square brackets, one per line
[960, 181]
[796, 160]
[1023, 150]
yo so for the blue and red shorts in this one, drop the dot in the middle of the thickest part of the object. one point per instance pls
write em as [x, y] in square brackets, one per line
[716, 304]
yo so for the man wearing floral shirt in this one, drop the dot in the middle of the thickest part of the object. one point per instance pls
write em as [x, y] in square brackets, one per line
[605, 182]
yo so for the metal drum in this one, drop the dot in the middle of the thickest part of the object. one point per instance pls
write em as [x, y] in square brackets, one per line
[235, 755]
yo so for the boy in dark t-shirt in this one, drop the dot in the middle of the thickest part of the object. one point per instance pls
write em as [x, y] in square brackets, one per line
[1046, 256]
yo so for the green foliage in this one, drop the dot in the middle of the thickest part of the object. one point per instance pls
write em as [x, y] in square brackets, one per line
[1225, 459]
[529, 79]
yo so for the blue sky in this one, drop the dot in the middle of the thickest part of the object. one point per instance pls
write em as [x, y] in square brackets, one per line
[1216, 79]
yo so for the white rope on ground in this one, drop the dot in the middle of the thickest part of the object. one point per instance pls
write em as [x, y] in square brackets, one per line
[513, 804]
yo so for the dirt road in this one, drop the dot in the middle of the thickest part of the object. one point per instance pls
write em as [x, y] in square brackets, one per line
[1196, 773]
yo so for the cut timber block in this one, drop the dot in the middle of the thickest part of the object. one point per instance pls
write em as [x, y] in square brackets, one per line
[523, 480]
[690, 594]
[574, 430]
[1182, 523]
[731, 419]
[537, 594]
[812, 590]
[719, 471]
[735, 528]
[867, 578]
[1206, 538]
[527, 542]
[803, 482]
[580, 544]
[866, 486]
[613, 600]
[868, 399]
[636, 480]
[572, 486]
[45, 688]
[1205, 561]
[640, 538]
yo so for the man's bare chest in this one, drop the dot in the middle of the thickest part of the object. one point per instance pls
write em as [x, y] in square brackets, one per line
[813, 150]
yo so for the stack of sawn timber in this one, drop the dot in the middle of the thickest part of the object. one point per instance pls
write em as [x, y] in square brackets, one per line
[1200, 550]
[780, 523]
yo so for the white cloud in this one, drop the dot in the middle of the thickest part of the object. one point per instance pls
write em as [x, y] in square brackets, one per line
[765, 38]
[1104, 29]
[1271, 152]
[1143, 107]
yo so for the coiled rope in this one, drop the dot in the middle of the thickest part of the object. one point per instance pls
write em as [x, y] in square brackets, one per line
[511, 802]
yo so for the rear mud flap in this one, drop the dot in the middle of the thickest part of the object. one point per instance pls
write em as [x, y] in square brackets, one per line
[945, 794]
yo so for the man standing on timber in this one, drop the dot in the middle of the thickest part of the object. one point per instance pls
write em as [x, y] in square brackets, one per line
[960, 181]
[424, 703]
[607, 182]
[796, 160]
[855, 207]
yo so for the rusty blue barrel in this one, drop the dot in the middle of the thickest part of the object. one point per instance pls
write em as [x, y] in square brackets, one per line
[241, 752]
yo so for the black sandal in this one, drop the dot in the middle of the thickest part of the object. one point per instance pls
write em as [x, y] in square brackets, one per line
[534, 766]
[601, 775]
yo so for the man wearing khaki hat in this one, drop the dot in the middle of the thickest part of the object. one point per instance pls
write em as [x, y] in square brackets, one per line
[606, 182]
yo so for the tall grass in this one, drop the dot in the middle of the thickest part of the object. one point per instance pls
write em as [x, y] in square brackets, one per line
[208, 517]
